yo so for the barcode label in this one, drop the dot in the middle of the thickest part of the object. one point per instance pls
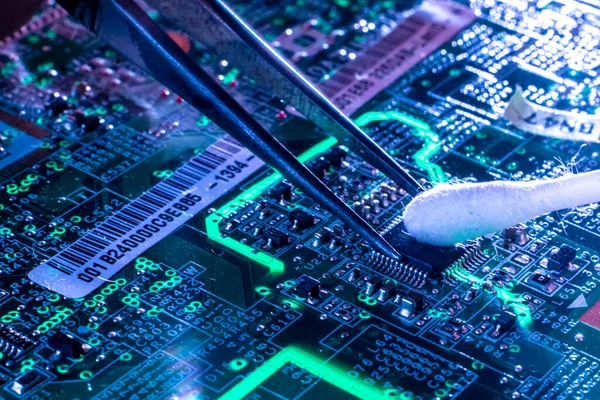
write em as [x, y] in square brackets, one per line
[430, 26]
[87, 263]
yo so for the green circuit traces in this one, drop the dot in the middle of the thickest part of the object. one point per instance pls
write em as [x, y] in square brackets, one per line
[504, 294]
[329, 372]
[430, 148]
[274, 265]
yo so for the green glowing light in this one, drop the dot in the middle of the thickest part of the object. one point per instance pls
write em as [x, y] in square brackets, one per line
[435, 313]
[62, 369]
[118, 107]
[503, 294]
[59, 316]
[85, 375]
[26, 80]
[111, 288]
[9, 317]
[33, 38]
[53, 297]
[144, 264]
[27, 365]
[45, 66]
[203, 121]
[263, 290]
[367, 300]
[430, 148]
[193, 307]
[132, 299]
[342, 3]
[231, 76]
[329, 372]
[275, 266]
[43, 310]
[154, 311]
[403, 395]
[173, 281]
[238, 364]
[163, 174]
[477, 365]
[291, 304]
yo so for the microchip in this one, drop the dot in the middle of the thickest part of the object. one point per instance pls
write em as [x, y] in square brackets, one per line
[561, 258]
[67, 345]
[57, 106]
[14, 344]
[504, 322]
[337, 156]
[542, 282]
[275, 237]
[281, 191]
[307, 287]
[320, 167]
[300, 219]
[430, 259]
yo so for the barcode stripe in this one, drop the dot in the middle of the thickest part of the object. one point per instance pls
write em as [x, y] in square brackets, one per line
[380, 65]
[135, 214]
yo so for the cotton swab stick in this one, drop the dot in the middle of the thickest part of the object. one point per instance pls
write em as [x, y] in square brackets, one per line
[449, 214]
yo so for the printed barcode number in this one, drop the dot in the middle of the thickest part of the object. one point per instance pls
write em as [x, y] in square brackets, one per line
[367, 60]
[150, 203]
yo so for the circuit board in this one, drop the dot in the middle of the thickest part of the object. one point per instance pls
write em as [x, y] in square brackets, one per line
[146, 254]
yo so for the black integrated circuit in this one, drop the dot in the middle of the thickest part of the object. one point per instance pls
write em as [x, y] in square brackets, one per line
[419, 262]
[430, 259]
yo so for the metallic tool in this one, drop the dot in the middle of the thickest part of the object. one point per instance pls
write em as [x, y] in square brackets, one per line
[126, 27]
[228, 36]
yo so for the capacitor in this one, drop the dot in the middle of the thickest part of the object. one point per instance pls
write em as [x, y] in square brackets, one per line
[372, 285]
[393, 195]
[411, 304]
[386, 291]
[375, 206]
[471, 293]
[408, 307]
[516, 234]
[322, 236]
[354, 275]
[384, 201]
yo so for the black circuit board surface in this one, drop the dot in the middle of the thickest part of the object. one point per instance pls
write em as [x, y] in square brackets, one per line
[144, 254]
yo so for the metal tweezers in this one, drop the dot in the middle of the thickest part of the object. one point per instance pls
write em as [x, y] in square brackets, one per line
[125, 25]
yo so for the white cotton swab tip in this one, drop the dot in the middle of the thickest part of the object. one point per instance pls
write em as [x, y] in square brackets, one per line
[450, 214]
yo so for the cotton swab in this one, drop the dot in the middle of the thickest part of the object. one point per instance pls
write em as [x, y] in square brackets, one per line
[449, 214]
